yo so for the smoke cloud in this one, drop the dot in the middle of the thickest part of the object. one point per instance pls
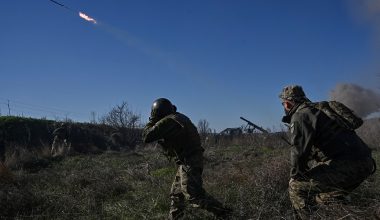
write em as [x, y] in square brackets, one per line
[363, 101]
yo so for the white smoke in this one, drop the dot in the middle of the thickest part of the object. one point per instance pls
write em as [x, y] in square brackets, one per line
[363, 101]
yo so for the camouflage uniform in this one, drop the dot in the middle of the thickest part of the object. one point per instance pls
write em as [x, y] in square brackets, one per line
[180, 140]
[342, 161]
[61, 146]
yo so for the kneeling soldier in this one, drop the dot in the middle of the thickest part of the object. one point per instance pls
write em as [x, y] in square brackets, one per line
[343, 160]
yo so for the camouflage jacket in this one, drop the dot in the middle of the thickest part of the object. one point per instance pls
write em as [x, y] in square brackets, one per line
[314, 136]
[178, 136]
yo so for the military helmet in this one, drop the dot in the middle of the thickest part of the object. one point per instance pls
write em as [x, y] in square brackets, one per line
[162, 107]
[293, 93]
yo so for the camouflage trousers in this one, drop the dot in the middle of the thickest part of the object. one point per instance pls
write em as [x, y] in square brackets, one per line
[327, 182]
[60, 147]
[187, 186]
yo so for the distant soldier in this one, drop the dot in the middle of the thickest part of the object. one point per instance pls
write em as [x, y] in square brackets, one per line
[342, 160]
[180, 139]
[116, 141]
[61, 146]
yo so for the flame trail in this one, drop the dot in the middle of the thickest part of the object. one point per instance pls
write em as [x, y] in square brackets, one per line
[81, 14]
[87, 18]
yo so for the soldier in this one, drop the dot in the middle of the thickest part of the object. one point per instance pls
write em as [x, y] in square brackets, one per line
[61, 146]
[342, 160]
[180, 139]
[116, 141]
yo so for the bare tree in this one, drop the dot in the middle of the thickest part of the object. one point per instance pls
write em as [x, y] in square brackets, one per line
[204, 129]
[126, 123]
[121, 116]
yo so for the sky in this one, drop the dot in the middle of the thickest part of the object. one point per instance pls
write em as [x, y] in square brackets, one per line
[215, 60]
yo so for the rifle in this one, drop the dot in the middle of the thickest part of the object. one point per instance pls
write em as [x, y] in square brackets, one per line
[254, 126]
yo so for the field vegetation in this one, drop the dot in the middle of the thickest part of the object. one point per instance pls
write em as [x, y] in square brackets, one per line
[248, 173]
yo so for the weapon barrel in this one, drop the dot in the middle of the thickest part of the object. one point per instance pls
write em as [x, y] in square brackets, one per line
[245, 120]
[255, 126]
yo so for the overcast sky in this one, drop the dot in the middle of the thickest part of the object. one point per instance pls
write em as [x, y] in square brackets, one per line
[216, 60]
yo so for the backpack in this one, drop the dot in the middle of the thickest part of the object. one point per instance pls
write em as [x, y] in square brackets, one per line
[337, 111]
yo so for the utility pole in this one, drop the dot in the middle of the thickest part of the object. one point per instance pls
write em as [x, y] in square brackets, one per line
[9, 109]
[93, 117]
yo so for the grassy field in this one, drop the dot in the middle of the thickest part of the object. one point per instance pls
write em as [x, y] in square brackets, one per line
[251, 180]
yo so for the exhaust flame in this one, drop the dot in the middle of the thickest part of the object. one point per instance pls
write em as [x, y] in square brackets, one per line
[86, 17]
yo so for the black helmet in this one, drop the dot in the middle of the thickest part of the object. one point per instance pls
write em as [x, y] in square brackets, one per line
[162, 107]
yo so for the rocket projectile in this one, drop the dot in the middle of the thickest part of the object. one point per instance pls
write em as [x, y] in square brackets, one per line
[81, 14]
[57, 3]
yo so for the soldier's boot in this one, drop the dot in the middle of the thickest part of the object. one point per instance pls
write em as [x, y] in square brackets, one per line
[175, 213]
[214, 206]
[177, 207]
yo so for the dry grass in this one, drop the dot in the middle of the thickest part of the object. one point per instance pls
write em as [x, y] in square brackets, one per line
[250, 176]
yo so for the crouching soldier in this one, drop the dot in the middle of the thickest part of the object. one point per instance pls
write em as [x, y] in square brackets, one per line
[180, 140]
[323, 132]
